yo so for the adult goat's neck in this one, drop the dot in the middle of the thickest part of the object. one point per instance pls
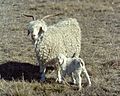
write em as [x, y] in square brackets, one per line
[38, 41]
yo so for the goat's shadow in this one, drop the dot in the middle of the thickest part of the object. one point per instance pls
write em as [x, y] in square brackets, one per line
[17, 71]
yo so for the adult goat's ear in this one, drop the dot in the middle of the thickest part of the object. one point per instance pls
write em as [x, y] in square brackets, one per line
[40, 31]
[28, 32]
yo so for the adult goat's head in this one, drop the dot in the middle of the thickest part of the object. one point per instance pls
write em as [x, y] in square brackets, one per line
[37, 27]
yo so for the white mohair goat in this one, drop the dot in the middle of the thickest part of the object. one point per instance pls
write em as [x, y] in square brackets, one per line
[62, 37]
[72, 67]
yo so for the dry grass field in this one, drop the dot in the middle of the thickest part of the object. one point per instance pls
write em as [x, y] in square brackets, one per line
[100, 24]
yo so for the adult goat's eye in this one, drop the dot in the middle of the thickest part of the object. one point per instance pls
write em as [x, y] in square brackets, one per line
[28, 32]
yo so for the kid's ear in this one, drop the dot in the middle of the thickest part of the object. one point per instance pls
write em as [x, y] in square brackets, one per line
[63, 61]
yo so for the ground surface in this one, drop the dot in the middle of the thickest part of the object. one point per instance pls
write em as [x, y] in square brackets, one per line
[100, 24]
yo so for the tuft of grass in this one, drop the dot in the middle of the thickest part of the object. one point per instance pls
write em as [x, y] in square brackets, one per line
[99, 21]
[25, 88]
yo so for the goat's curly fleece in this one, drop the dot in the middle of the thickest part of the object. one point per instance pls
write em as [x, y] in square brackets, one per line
[63, 37]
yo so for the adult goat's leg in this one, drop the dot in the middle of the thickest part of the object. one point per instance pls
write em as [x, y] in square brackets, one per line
[42, 68]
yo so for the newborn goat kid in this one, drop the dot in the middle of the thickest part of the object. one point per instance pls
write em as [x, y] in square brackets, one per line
[72, 67]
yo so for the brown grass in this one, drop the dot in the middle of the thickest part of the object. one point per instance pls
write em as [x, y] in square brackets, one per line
[99, 21]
